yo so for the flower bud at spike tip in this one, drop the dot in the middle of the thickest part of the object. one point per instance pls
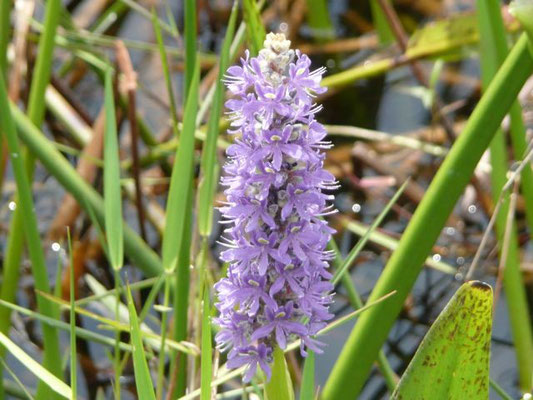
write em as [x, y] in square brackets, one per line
[277, 287]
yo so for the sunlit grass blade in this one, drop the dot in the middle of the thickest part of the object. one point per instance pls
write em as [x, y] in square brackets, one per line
[207, 348]
[166, 71]
[364, 239]
[362, 347]
[112, 193]
[5, 11]
[307, 390]
[143, 380]
[53, 382]
[30, 228]
[25, 392]
[209, 166]
[136, 249]
[254, 26]
[493, 49]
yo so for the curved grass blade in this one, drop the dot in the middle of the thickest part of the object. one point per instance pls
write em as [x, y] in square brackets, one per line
[452, 362]
[143, 380]
[307, 391]
[53, 382]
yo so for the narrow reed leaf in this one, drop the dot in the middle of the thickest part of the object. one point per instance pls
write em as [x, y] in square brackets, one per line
[452, 362]
[166, 70]
[181, 182]
[112, 192]
[364, 239]
[5, 12]
[361, 349]
[209, 166]
[380, 23]
[53, 382]
[143, 380]
[319, 20]
[72, 315]
[207, 348]
[254, 26]
[26, 207]
[136, 249]
[280, 385]
[523, 11]
[307, 390]
[190, 45]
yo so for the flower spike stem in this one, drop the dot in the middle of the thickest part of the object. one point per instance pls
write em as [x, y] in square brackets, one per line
[280, 385]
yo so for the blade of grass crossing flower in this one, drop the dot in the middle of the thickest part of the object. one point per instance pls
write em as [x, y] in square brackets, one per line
[166, 71]
[52, 360]
[360, 350]
[143, 380]
[280, 385]
[493, 46]
[207, 347]
[72, 315]
[307, 390]
[209, 166]
[112, 193]
[190, 44]
[254, 26]
[364, 239]
[54, 383]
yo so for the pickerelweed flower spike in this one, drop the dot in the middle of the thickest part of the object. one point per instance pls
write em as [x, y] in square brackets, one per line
[277, 286]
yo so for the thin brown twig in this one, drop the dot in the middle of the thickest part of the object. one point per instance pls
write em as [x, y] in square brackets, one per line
[130, 86]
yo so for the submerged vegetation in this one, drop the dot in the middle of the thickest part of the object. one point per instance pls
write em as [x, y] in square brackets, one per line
[192, 191]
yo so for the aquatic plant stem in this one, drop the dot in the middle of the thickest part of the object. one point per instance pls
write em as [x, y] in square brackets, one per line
[362, 347]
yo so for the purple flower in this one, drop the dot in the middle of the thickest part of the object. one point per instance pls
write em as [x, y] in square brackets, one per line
[277, 288]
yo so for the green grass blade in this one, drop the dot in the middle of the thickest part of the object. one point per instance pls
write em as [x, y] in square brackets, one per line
[143, 380]
[307, 391]
[72, 315]
[136, 249]
[523, 11]
[280, 385]
[112, 193]
[319, 20]
[361, 349]
[254, 26]
[493, 48]
[452, 362]
[52, 361]
[380, 23]
[190, 45]
[166, 71]
[5, 11]
[207, 348]
[209, 166]
[181, 182]
[364, 239]
[53, 382]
